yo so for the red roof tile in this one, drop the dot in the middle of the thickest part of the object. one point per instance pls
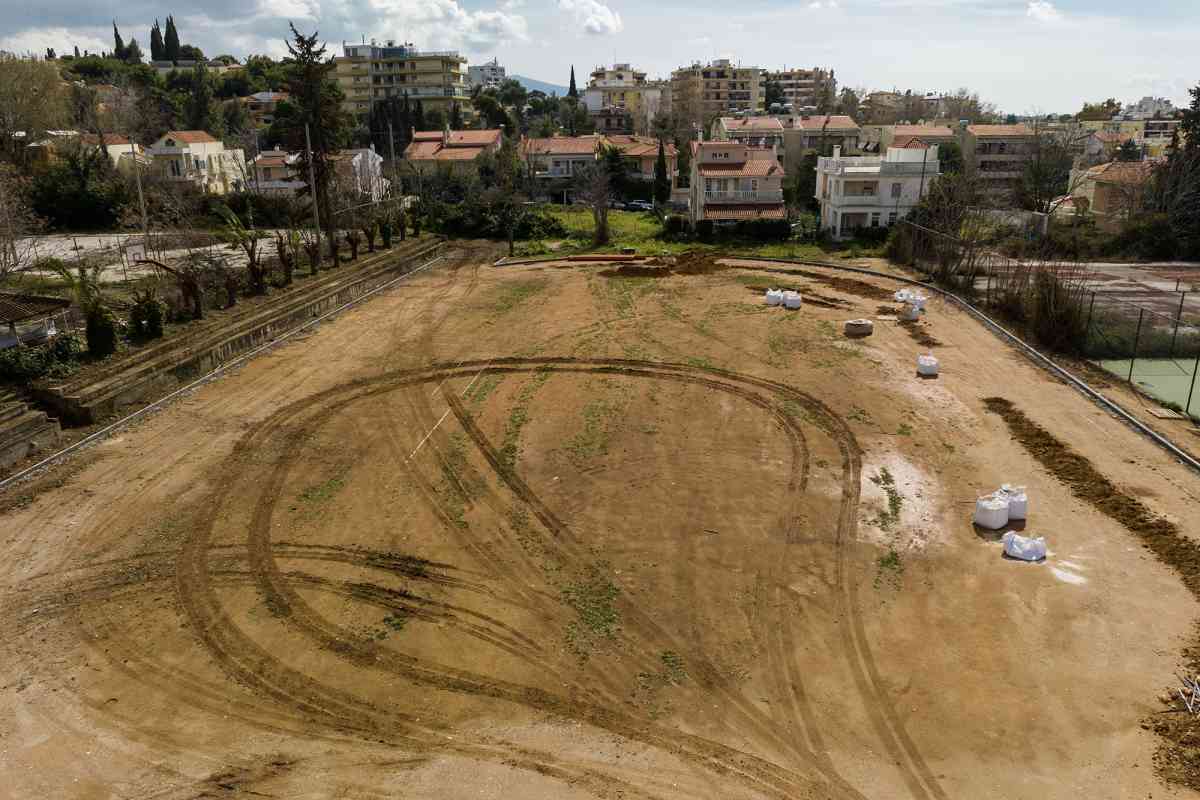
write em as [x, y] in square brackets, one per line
[751, 123]
[745, 211]
[836, 122]
[752, 168]
[924, 131]
[999, 130]
[562, 145]
[191, 137]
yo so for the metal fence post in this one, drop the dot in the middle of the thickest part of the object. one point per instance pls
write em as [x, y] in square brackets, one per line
[1178, 318]
[1087, 329]
[1187, 409]
[1136, 337]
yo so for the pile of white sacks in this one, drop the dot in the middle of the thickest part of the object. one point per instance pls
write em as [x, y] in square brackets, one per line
[914, 304]
[783, 297]
[994, 511]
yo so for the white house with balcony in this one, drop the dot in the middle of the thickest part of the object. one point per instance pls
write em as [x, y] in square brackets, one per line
[873, 191]
[732, 181]
[197, 158]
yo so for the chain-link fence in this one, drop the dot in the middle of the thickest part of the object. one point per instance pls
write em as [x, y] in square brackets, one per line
[1156, 350]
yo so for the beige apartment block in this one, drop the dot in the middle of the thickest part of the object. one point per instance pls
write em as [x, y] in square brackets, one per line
[703, 92]
[623, 93]
[371, 73]
[998, 154]
[804, 88]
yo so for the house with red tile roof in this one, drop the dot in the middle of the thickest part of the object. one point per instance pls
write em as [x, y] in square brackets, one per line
[1111, 192]
[731, 181]
[453, 149]
[198, 158]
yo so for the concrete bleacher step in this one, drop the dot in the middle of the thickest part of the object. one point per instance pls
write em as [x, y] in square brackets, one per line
[25, 434]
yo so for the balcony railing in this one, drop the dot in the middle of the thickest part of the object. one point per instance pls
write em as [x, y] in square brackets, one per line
[766, 196]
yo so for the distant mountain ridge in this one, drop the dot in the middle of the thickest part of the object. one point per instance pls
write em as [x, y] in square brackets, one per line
[532, 84]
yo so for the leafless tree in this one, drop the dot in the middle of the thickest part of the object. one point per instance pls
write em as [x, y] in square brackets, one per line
[594, 187]
[18, 224]
[33, 100]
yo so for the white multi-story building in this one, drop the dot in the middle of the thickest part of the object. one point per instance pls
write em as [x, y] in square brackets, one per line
[873, 191]
[489, 75]
[1148, 108]
[196, 157]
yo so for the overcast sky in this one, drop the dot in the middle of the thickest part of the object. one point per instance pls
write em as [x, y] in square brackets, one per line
[1023, 55]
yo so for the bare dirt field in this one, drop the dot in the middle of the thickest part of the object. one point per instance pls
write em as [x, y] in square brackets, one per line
[571, 531]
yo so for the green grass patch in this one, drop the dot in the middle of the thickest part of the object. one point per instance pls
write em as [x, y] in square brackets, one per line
[512, 294]
[599, 418]
[591, 597]
[321, 492]
[518, 417]
[673, 662]
[483, 388]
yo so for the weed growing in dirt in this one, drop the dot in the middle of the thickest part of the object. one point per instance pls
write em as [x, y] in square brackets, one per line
[483, 388]
[890, 568]
[592, 598]
[888, 519]
[511, 295]
[674, 666]
[857, 414]
[510, 448]
[622, 292]
[904, 430]
[456, 489]
[599, 417]
[702, 363]
[321, 492]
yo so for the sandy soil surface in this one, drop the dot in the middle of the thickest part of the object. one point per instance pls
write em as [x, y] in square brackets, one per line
[560, 531]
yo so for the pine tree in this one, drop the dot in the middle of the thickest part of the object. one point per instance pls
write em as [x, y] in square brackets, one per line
[571, 90]
[133, 52]
[662, 181]
[118, 43]
[318, 103]
[198, 108]
[171, 42]
[156, 43]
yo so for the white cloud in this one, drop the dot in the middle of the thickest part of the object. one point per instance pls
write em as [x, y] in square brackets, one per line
[816, 5]
[445, 23]
[593, 16]
[36, 40]
[1042, 11]
[289, 9]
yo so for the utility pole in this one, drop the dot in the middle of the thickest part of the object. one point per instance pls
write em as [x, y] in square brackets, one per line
[137, 170]
[312, 187]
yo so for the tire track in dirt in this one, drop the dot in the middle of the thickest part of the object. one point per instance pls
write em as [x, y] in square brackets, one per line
[611, 365]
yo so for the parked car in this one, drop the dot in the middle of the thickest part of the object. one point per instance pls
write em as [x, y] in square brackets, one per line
[616, 204]
[639, 205]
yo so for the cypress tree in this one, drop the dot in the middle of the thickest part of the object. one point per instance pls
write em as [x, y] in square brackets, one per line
[171, 42]
[662, 181]
[418, 120]
[572, 91]
[77, 51]
[156, 42]
[118, 43]
[133, 52]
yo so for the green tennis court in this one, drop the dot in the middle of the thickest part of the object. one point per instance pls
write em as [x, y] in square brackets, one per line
[1168, 379]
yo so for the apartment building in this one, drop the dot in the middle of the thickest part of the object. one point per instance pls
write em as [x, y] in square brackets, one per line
[804, 88]
[872, 191]
[455, 150]
[275, 172]
[360, 171]
[703, 92]
[261, 106]
[370, 73]
[559, 158]
[731, 181]
[622, 91]
[197, 158]
[489, 74]
[998, 154]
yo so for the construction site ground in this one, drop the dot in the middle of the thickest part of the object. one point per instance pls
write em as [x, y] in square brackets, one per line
[577, 530]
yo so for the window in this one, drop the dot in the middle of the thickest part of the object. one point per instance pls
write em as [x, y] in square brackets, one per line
[754, 185]
[875, 220]
[896, 189]
[892, 218]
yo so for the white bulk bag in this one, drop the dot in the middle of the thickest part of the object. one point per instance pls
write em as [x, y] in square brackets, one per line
[791, 299]
[859, 327]
[1018, 501]
[991, 512]
[910, 313]
[774, 297]
[902, 296]
[1026, 548]
[927, 365]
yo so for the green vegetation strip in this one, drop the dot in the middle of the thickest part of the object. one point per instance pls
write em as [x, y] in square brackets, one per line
[1177, 759]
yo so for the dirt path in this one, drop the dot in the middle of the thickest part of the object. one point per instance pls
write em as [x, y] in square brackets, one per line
[545, 532]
